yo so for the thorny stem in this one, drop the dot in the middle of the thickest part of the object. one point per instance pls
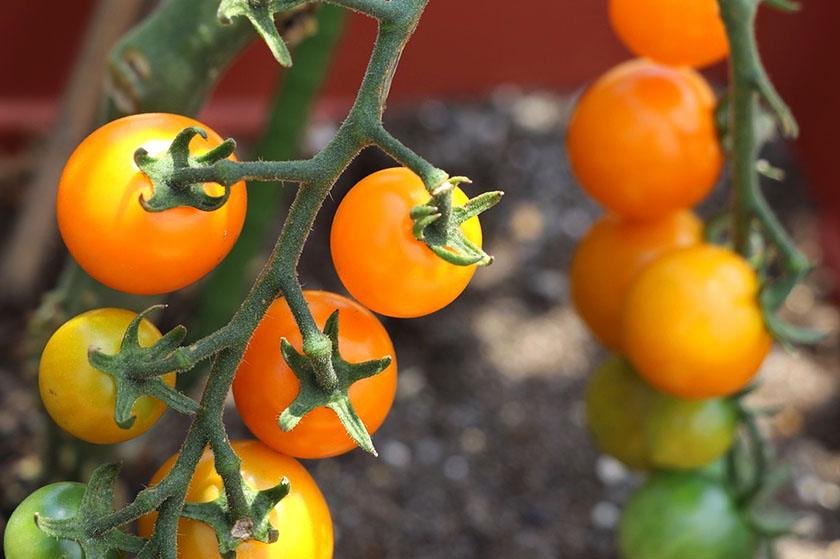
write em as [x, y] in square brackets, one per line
[363, 127]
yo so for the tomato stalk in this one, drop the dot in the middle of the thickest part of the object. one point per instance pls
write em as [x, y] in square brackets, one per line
[755, 228]
[749, 86]
[325, 376]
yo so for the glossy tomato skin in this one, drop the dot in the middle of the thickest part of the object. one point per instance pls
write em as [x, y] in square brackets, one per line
[302, 517]
[377, 257]
[24, 540]
[647, 429]
[611, 254]
[109, 233]
[692, 323]
[673, 32]
[642, 140]
[82, 399]
[265, 385]
[682, 515]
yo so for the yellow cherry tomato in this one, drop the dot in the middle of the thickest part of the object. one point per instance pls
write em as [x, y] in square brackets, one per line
[642, 140]
[302, 517]
[692, 323]
[676, 32]
[611, 254]
[377, 257]
[109, 233]
[82, 399]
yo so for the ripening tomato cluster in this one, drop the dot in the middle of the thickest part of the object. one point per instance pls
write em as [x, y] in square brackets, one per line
[127, 248]
[682, 316]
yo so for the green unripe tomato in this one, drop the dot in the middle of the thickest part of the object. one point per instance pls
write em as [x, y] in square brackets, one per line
[24, 540]
[684, 515]
[645, 428]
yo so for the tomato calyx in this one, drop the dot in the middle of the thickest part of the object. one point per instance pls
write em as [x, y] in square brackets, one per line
[231, 532]
[97, 502]
[438, 223]
[261, 15]
[134, 372]
[316, 391]
[169, 174]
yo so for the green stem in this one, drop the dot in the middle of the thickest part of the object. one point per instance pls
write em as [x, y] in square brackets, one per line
[228, 172]
[749, 85]
[379, 9]
[281, 139]
[739, 16]
[278, 278]
[761, 462]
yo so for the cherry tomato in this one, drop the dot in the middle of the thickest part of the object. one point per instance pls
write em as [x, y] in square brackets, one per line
[673, 32]
[682, 515]
[692, 324]
[642, 140]
[265, 385]
[377, 257]
[611, 254]
[82, 399]
[109, 233]
[302, 517]
[647, 429]
[24, 540]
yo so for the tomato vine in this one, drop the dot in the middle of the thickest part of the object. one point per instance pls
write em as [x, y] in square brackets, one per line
[177, 176]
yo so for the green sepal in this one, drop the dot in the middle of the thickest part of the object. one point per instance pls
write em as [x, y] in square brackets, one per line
[232, 532]
[771, 299]
[770, 171]
[261, 15]
[169, 193]
[129, 384]
[313, 393]
[788, 334]
[785, 6]
[97, 501]
[438, 224]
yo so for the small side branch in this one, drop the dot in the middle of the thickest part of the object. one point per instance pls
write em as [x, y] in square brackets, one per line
[383, 10]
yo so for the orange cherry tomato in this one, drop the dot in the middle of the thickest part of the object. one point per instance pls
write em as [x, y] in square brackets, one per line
[265, 385]
[692, 323]
[109, 233]
[673, 32]
[642, 140]
[302, 517]
[377, 257]
[82, 399]
[610, 256]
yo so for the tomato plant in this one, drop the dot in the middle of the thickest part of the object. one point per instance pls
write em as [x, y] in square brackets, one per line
[611, 254]
[302, 517]
[642, 140]
[647, 429]
[671, 31]
[377, 256]
[113, 237]
[265, 385]
[681, 515]
[80, 398]
[692, 323]
[22, 538]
